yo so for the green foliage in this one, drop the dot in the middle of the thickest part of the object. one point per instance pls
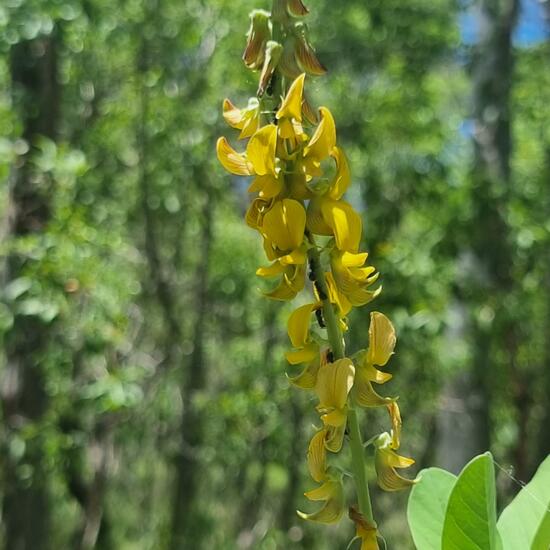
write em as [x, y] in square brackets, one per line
[427, 505]
[525, 522]
[448, 513]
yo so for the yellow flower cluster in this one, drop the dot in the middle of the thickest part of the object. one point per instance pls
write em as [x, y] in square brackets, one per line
[296, 203]
[299, 177]
[296, 200]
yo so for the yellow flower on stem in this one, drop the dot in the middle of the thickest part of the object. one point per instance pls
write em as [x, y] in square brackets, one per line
[246, 120]
[334, 382]
[382, 341]
[289, 114]
[259, 159]
[320, 145]
[306, 349]
[352, 277]
[326, 216]
[366, 530]
[387, 461]
[317, 456]
[283, 229]
[332, 492]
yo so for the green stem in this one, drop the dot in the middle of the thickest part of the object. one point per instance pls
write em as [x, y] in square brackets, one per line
[335, 338]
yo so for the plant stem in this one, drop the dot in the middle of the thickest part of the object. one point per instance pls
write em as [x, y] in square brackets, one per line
[335, 338]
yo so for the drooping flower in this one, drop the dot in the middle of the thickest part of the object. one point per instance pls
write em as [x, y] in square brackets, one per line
[332, 493]
[282, 227]
[334, 382]
[387, 461]
[381, 345]
[259, 159]
[246, 120]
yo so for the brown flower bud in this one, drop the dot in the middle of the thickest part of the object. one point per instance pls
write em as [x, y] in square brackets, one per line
[296, 8]
[305, 54]
[258, 35]
[288, 65]
[273, 51]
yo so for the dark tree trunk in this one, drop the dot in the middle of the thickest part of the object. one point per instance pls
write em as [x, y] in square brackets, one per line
[467, 418]
[187, 478]
[25, 507]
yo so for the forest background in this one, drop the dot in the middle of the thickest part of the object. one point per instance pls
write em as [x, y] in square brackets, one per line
[142, 380]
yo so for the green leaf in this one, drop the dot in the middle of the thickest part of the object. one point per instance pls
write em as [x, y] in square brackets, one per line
[525, 522]
[471, 518]
[427, 505]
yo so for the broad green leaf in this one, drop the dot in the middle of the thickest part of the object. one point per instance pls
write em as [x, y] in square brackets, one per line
[471, 518]
[427, 505]
[525, 522]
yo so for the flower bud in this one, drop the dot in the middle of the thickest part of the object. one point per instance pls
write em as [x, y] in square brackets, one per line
[273, 51]
[296, 8]
[305, 54]
[258, 35]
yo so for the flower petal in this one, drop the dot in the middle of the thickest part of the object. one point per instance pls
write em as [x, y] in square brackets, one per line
[343, 177]
[334, 382]
[291, 107]
[345, 223]
[395, 417]
[382, 339]
[233, 162]
[335, 438]
[260, 150]
[307, 379]
[364, 392]
[317, 456]
[304, 355]
[324, 139]
[298, 325]
[333, 493]
[284, 224]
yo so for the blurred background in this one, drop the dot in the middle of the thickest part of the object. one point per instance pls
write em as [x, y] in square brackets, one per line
[143, 398]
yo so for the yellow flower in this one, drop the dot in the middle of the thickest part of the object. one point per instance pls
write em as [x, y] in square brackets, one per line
[352, 278]
[298, 330]
[293, 270]
[320, 145]
[381, 345]
[382, 339]
[386, 461]
[289, 114]
[326, 216]
[258, 159]
[334, 382]
[317, 456]
[366, 530]
[246, 120]
[283, 227]
[332, 492]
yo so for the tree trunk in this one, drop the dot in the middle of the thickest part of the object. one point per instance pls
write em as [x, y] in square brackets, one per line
[468, 420]
[25, 507]
[187, 462]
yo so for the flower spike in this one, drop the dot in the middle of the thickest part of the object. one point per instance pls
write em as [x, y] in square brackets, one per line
[295, 200]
